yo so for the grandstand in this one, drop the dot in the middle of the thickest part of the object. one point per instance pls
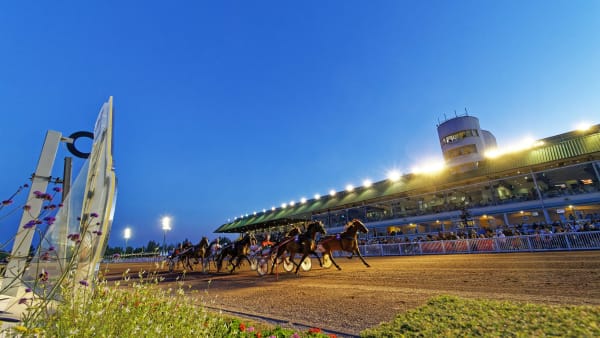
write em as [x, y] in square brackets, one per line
[550, 182]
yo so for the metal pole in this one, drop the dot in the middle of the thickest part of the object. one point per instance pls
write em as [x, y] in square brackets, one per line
[63, 230]
[20, 250]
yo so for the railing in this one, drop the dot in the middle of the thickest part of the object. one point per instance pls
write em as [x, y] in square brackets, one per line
[134, 258]
[565, 241]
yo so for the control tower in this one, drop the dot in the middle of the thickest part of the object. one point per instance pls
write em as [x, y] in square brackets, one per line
[464, 143]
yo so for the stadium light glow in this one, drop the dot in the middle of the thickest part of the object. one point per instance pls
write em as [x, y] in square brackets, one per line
[292, 203]
[367, 183]
[317, 196]
[127, 236]
[349, 188]
[429, 167]
[283, 205]
[526, 143]
[273, 208]
[303, 200]
[166, 223]
[331, 192]
[583, 126]
[393, 175]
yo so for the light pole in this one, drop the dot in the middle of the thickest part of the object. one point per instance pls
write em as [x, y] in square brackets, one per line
[127, 236]
[166, 226]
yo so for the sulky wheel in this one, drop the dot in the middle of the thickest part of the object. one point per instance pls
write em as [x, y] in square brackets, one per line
[306, 264]
[262, 267]
[326, 261]
[287, 264]
[253, 263]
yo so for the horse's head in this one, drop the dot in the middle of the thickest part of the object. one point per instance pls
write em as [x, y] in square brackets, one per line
[249, 239]
[316, 226]
[359, 226]
[203, 242]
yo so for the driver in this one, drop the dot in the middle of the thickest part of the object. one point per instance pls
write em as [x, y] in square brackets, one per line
[267, 242]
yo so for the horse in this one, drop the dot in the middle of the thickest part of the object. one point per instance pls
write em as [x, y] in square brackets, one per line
[304, 244]
[236, 251]
[211, 254]
[345, 241]
[196, 252]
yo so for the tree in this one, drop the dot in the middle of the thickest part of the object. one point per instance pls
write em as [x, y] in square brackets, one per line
[152, 246]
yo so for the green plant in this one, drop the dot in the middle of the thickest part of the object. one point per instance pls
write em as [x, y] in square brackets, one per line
[140, 308]
[449, 316]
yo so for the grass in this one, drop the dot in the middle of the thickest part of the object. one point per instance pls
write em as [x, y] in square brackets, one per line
[449, 316]
[145, 308]
[141, 309]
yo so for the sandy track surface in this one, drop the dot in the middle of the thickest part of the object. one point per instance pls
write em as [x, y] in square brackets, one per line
[358, 297]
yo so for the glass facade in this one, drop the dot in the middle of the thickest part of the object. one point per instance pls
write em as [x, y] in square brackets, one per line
[563, 194]
[455, 137]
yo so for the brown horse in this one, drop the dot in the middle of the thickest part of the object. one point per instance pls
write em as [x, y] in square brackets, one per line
[345, 241]
[279, 248]
[236, 251]
[304, 244]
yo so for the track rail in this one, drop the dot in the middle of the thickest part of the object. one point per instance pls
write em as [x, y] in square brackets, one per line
[280, 322]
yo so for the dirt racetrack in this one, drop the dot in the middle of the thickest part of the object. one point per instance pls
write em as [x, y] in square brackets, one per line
[358, 297]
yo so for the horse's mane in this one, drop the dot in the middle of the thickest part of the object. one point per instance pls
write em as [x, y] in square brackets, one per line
[293, 231]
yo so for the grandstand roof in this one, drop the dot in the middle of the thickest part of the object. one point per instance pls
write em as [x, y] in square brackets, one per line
[556, 151]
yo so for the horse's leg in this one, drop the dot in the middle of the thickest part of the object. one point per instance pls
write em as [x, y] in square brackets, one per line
[318, 258]
[301, 260]
[278, 253]
[361, 257]
[219, 262]
[330, 253]
[231, 262]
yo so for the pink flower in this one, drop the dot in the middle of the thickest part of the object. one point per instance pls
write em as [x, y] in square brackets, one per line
[45, 256]
[43, 276]
[29, 224]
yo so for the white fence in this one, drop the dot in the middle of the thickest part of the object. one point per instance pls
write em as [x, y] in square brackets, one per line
[565, 241]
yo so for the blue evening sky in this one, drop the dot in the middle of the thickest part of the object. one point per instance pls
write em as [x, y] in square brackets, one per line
[227, 107]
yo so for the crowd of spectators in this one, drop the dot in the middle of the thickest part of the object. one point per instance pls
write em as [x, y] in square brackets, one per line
[498, 232]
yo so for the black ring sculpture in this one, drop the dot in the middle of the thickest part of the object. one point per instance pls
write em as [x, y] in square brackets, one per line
[75, 136]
